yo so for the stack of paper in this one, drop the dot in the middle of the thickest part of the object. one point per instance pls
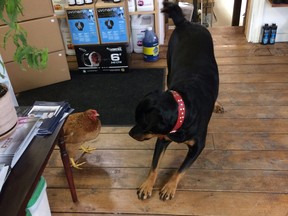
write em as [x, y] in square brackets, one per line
[12, 147]
[42, 119]
[51, 113]
[4, 170]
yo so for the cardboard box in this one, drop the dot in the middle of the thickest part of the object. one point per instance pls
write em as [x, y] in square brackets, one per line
[113, 22]
[42, 33]
[34, 9]
[102, 58]
[57, 71]
[82, 24]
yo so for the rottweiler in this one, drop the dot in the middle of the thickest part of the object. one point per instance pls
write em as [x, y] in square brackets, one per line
[182, 113]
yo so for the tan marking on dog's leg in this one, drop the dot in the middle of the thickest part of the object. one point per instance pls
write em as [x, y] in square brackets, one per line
[145, 190]
[218, 108]
[169, 190]
[190, 142]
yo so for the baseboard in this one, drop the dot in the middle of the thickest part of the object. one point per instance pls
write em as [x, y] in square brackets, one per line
[282, 37]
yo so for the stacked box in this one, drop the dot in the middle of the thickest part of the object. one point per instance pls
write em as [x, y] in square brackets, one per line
[112, 22]
[57, 71]
[100, 34]
[43, 32]
[30, 12]
[82, 25]
[102, 58]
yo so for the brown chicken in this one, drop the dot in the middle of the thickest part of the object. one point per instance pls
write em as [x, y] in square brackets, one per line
[79, 128]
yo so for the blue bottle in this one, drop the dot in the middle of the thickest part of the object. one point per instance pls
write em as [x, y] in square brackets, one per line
[150, 46]
[265, 34]
[273, 34]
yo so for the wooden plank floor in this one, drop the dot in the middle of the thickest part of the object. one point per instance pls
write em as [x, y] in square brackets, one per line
[243, 169]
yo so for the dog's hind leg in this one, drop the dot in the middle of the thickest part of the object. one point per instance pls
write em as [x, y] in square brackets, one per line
[145, 190]
[218, 108]
[169, 190]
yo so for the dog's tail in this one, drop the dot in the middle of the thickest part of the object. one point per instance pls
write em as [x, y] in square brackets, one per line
[174, 11]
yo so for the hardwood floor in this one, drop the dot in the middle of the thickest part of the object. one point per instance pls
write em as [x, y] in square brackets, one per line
[243, 169]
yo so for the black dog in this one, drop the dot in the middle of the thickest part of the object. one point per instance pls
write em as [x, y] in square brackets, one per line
[181, 113]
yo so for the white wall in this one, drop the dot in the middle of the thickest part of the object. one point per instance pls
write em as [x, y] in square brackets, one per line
[223, 10]
[161, 23]
[278, 15]
[261, 12]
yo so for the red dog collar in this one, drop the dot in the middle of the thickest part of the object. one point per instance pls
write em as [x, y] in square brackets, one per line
[181, 111]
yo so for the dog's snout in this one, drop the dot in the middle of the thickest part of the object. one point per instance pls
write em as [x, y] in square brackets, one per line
[137, 133]
[133, 131]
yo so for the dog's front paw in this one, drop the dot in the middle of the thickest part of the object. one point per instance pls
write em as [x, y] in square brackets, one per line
[218, 108]
[145, 190]
[168, 191]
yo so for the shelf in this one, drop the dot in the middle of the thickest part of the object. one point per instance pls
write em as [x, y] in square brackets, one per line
[142, 12]
[60, 16]
[277, 5]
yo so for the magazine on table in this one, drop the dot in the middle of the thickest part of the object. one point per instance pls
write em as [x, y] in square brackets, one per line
[51, 113]
[41, 119]
[12, 147]
[4, 171]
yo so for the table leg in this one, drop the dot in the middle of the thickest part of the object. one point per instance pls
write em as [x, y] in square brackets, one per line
[66, 164]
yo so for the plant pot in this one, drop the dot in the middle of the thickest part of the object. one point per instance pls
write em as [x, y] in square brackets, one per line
[8, 114]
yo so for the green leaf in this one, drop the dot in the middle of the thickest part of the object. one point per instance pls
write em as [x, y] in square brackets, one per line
[36, 58]
[21, 53]
[2, 5]
[44, 58]
[11, 9]
[22, 36]
[6, 37]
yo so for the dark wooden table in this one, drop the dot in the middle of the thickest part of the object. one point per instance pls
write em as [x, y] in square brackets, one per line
[23, 179]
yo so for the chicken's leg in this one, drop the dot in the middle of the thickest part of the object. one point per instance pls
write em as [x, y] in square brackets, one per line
[85, 150]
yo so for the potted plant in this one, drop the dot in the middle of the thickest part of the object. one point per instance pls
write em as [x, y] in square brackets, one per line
[36, 58]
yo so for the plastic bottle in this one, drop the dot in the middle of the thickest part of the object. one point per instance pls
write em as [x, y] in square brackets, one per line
[79, 2]
[273, 34]
[145, 5]
[69, 48]
[139, 24]
[71, 2]
[265, 34]
[129, 47]
[88, 1]
[131, 6]
[150, 46]
[58, 6]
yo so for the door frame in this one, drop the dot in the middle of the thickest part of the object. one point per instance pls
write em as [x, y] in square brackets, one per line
[253, 21]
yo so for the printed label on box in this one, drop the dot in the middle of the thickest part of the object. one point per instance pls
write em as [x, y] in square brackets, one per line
[112, 25]
[83, 27]
[102, 58]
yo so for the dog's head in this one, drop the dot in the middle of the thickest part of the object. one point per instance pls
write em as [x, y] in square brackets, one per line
[171, 8]
[155, 116]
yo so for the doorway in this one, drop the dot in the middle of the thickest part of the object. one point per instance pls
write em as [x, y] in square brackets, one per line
[219, 12]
